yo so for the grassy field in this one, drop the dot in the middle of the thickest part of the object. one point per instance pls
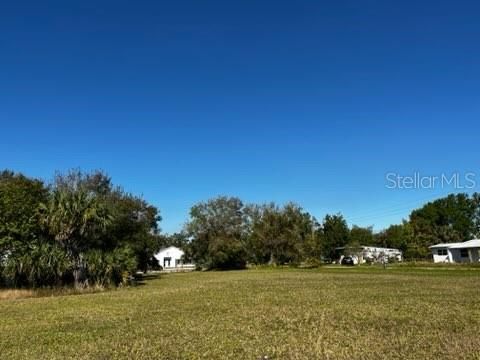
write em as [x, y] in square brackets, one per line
[362, 313]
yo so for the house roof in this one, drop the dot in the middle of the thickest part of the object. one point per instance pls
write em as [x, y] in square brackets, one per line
[370, 248]
[463, 245]
[169, 247]
[443, 245]
[467, 244]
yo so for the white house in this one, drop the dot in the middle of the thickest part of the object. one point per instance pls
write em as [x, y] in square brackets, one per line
[171, 259]
[465, 252]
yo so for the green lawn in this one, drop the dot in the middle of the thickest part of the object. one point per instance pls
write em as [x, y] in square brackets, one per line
[400, 313]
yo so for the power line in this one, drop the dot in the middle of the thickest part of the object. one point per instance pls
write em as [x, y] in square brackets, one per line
[390, 211]
[397, 206]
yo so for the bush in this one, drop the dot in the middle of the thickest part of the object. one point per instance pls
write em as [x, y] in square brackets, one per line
[40, 264]
[109, 268]
[45, 264]
[312, 263]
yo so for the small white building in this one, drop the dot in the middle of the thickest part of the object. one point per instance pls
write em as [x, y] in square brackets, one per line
[171, 259]
[377, 254]
[465, 252]
[371, 254]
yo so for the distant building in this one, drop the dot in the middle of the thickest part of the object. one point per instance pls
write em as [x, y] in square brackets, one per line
[371, 254]
[171, 259]
[465, 252]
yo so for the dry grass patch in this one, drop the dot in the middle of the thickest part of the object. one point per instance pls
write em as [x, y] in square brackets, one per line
[16, 294]
[13, 294]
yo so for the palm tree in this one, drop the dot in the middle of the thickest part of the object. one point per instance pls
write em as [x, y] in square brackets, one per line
[74, 217]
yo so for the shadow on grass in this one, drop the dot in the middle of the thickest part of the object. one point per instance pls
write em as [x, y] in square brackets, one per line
[142, 279]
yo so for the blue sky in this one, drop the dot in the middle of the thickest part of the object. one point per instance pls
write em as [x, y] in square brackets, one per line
[181, 101]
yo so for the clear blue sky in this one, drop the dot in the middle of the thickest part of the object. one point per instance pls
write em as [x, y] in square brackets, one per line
[310, 101]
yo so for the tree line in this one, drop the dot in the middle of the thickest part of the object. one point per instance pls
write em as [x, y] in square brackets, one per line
[80, 229]
[225, 233]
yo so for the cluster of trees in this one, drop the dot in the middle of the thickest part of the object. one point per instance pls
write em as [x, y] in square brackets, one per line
[225, 233]
[455, 218]
[80, 230]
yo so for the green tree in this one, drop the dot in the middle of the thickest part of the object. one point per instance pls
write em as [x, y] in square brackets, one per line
[20, 199]
[178, 239]
[450, 219]
[335, 234]
[476, 217]
[268, 241]
[396, 236]
[218, 232]
[74, 218]
[361, 236]
[302, 229]
[281, 235]
[134, 222]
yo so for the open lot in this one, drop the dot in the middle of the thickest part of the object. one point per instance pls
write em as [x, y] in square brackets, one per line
[348, 313]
